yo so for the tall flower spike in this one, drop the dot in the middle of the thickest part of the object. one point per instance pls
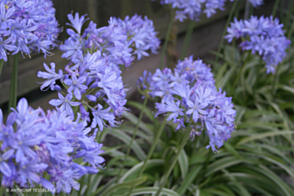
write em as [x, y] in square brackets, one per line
[189, 96]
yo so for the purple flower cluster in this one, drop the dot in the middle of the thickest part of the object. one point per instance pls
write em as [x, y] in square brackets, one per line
[36, 145]
[93, 77]
[193, 9]
[255, 3]
[189, 95]
[116, 42]
[263, 36]
[27, 26]
[140, 32]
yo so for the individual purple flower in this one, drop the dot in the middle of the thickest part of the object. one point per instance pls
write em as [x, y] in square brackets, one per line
[95, 161]
[76, 85]
[262, 36]
[191, 97]
[4, 46]
[24, 144]
[28, 172]
[100, 115]
[196, 108]
[76, 22]
[4, 167]
[73, 49]
[51, 76]
[65, 103]
[171, 107]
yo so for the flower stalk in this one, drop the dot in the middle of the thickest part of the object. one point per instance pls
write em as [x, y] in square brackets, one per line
[156, 139]
[13, 84]
[1, 65]
[187, 39]
[170, 25]
[179, 150]
[133, 137]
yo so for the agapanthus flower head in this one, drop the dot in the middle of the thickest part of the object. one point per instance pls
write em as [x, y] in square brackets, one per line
[189, 97]
[118, 41]
[193, 9]
[255, 3]
[141, 34]
[27, 26]
[93, 79]
[36, 144]
[263, 36]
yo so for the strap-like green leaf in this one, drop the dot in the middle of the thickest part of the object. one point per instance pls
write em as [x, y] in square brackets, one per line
[152, 190]
[127, 139]
[139, 106]
[150, 164]
[131, 117]
[188, 179]
[264, 135]
[115, 187]
[184, 164]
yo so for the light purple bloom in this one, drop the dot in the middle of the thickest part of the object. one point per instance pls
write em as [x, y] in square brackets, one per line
[100, 115]
[51, 76]
[37, 143]
[193, 9]
[27, 26]
[188, 95]
[76, 85]
[65, 103]
[263, 36]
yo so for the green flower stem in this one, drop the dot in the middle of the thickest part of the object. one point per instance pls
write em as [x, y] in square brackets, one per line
[1, 65]
[166, 39]
[259, 76]
[183, 143]
[225, 29]
[134, 135]
[288, 17]
[247, 10]
[187, 39]
[13, 84]
[238, 77]
[242, 66]
[161, 128]
[275, 80]
[288, 20]
[291, 31]
[275, 8]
